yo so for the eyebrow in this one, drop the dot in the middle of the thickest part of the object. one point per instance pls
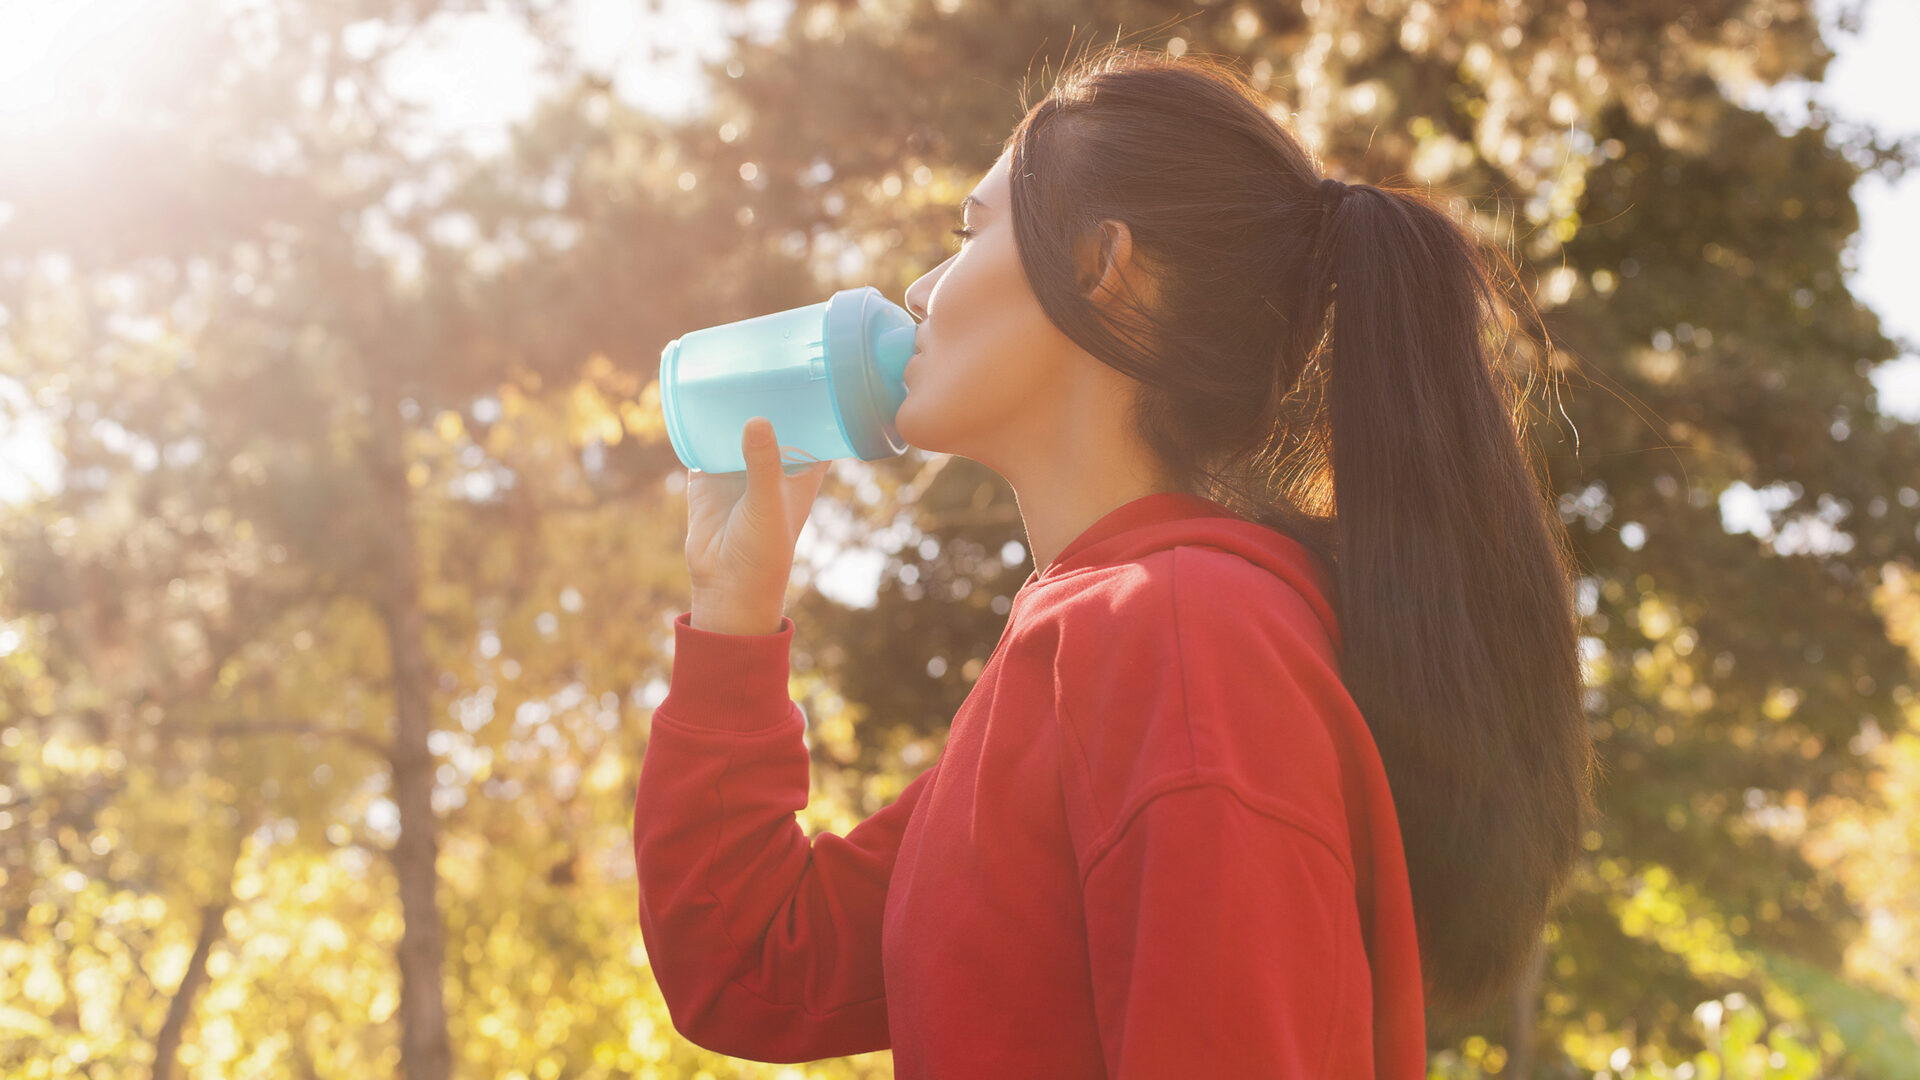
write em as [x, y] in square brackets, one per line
[971, 201]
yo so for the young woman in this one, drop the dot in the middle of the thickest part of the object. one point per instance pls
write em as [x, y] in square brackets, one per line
[1282, 744]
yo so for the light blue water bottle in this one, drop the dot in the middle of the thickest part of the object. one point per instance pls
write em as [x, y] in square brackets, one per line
[828, 375]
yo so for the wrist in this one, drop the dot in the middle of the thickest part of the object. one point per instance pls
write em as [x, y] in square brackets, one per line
[724, 625]
[736, 618]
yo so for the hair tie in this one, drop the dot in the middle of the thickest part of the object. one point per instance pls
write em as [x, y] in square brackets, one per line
[1331, 192]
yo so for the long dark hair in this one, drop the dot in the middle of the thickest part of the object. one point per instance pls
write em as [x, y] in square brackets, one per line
[1334, 361]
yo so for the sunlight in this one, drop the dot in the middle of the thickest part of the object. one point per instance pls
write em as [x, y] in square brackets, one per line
[55, 55]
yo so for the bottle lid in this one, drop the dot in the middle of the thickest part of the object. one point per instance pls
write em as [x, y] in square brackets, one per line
[869, 341]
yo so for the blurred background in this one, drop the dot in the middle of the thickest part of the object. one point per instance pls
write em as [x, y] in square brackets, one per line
[340, 540]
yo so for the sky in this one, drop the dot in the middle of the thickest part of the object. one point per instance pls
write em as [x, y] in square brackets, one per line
[1873, 79]
[477, 74]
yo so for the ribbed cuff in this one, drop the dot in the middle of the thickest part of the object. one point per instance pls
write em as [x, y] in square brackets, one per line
[728, 682]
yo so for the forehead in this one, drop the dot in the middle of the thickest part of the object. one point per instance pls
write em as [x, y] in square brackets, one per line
[992, 188]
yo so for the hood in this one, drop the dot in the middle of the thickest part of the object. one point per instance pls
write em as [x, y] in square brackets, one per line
[1170, 519]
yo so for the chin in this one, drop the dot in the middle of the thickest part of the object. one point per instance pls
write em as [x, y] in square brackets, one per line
[907, 421]
[920, 432]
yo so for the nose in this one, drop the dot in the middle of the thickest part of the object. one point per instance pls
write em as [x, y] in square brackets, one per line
[921, 291]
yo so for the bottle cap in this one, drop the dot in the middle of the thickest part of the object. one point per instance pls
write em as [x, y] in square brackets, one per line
[869, 341]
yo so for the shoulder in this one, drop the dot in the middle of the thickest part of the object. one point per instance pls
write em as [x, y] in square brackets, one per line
[1189, 595]
[1193, 663]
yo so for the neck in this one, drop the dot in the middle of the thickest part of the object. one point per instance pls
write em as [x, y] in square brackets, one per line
[1090, 467]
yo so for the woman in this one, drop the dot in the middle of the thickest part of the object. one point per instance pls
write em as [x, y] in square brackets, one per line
[1247, 785]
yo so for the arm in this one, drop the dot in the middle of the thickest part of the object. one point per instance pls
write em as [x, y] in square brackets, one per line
[1224, 942]
[765, 945]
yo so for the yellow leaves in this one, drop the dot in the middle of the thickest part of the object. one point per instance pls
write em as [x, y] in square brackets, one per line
[60, 754]
[1489, 1058]
[219, 1039]
[22, 1022]
[836, 730]
[600, 371]
[1897, 601]
[1656, 618]
[324, 934]
[645, 418]
[603, 406]
[591, 416]
[229, 677]
[1781, 702]
[1656, 907]
[386, 926]
[513, 402]
[247, 885]
[491, 1026]
[606, 773]
[289, 953]
[1868, 844]
[42, 985]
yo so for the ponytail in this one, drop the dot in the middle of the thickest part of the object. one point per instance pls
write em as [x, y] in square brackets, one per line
[1456, 613]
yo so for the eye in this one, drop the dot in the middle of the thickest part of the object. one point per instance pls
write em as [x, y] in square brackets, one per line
[963, 233]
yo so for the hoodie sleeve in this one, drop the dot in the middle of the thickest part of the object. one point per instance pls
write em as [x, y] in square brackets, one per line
[1223, 942]
[765, 945]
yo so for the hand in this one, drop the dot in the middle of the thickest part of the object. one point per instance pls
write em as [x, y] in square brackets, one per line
[741, 532]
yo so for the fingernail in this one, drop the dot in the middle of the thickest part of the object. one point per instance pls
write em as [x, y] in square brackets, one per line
[762, 434]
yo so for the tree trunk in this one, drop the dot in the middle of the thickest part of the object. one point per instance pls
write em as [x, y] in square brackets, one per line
[425, 1052]
[1521, 1043]
[166, 1046]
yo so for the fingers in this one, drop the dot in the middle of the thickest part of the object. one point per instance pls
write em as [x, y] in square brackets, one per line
[804, 481]
[775, 488]
[798, 462]
[807, 490]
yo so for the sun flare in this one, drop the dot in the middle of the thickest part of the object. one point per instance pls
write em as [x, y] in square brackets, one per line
[58, 56]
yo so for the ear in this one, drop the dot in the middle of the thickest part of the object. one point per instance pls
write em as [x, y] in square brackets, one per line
[1108, 270]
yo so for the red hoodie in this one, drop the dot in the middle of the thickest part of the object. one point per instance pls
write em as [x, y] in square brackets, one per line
[1159, 841]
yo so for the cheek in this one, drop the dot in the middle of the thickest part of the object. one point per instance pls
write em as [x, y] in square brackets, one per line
[991, 319]
[989, 360]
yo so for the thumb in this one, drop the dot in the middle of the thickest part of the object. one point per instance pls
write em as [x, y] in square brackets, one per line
[762, 454]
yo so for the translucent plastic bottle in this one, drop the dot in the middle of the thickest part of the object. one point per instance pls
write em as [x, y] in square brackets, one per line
[828, 375]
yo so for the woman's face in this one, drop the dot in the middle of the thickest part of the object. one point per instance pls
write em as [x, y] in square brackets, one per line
[991, 370]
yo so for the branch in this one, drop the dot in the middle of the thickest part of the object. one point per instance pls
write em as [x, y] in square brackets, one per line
[166, 1045]
[969, 519]
[359, 837]
[922, 480]
[301, 727]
